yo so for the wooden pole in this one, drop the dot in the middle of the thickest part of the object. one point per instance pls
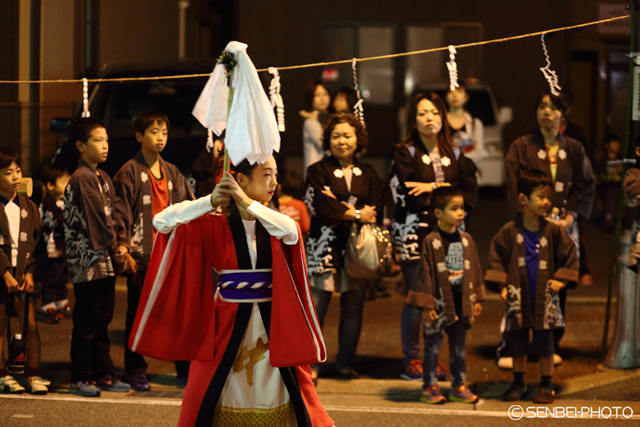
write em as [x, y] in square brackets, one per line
[227, 161]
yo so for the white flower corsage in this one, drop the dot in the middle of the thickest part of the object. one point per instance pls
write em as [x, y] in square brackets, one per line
[562, 154]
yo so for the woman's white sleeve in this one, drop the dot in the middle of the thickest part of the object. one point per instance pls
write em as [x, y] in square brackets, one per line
[181, 213]
[277, 224]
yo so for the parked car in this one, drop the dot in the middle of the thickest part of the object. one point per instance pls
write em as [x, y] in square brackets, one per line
[119, 103]
[482, 104]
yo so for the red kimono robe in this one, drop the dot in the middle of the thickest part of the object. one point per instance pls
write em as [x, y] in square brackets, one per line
[179, 319]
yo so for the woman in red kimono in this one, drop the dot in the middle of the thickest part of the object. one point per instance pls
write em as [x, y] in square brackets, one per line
[252, 337]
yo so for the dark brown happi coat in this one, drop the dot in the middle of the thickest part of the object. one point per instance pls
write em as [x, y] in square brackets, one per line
[89, 224]
[574, 187]
[328, 233]
[414, 217]
[27, 240]
[431, 288]
[134, 225]
[508, 268]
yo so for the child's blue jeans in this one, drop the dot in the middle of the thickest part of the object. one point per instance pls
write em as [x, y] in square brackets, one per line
[457, 333]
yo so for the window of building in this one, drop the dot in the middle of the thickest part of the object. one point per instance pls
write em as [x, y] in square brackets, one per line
[375, 78]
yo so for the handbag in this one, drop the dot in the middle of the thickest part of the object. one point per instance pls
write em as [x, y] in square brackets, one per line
[368, 254]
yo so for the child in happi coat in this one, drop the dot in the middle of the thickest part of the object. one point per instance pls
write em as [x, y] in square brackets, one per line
[532, 259]
[90, 237]
[19, 237]
[145, 186]
[51, 268]
[289, 202]
[449, 288]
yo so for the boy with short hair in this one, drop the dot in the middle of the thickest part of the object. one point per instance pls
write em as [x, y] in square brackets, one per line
[531, 259]
[145, 186]
[19, 232]
[89, 226]
[51, 267]
[449, 288]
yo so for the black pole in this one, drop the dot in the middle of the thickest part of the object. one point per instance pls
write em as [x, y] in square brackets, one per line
[629, 151]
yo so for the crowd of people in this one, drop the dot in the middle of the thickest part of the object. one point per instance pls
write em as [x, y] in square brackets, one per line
[90, 227]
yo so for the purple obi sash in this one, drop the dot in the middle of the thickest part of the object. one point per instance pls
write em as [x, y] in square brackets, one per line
[246, 285]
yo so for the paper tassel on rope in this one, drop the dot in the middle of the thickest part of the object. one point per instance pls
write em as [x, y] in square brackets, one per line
[550, 75]
[453, 69]
[276, 98]
[251, 128]
[357, 109]
[209, 140]
[85, 98]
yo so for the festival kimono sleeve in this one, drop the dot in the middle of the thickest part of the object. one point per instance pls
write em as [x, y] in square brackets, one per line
[422, 289]
[467, 181]
[324, 206]
[478, 281]
[403, 168]
[567, 264]
[499, 258]
[175, 318]
[296, 337]
[123, 182]
[583, 187]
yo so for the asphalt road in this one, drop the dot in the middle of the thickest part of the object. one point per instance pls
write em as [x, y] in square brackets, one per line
[380, 398]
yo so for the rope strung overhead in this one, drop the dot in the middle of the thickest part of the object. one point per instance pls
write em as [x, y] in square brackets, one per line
[322, 64]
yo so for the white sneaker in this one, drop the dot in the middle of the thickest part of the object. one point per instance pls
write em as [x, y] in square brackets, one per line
[557, 360]
[9, 385]
[505, 363]
[37, 385]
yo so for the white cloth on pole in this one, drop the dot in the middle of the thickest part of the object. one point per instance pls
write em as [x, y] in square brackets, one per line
[252, 129]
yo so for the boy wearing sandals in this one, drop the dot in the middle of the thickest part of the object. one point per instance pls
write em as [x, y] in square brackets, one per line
[449, 288]
[19, 232]
[531, 259]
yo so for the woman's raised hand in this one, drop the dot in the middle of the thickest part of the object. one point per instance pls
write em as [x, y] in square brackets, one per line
[418, 188]
[226, 189]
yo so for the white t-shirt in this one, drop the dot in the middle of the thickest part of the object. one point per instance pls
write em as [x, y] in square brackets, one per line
[13, 216]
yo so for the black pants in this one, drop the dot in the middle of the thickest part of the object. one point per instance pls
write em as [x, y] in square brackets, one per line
[54, 278]
[90, 344]
[134, 362]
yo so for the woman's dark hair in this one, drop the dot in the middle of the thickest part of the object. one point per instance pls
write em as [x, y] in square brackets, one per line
[559, 101]
[81, 130]
[531, 179]
[349, 94]
[353, 121]
[244, 167]
[8, 156]
[444, 136]
[310, 91]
